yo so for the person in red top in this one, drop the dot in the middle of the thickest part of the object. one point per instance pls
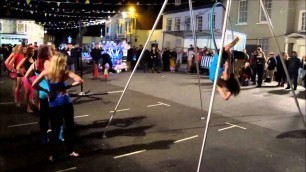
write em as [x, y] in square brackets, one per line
[16, 59]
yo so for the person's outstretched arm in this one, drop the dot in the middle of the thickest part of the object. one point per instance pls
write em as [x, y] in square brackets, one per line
[76, 78]
[8, 61]
[225, 94]
[36, 82]
[30, 72]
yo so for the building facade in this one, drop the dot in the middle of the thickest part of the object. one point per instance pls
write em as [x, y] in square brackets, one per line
[177, 27]
[134, 27]
[18, 31]
[288, 18]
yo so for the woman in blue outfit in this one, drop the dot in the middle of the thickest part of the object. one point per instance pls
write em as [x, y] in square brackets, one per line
[227, 82]
[42, 63]
[60, 105]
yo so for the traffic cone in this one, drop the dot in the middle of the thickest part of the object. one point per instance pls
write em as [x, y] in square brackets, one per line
[96, 71]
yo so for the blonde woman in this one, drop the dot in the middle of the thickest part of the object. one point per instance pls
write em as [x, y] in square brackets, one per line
[12, 63]
[11, 70]
[60, 105]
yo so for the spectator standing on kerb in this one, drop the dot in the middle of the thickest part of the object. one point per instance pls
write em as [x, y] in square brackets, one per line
[96, 55]
[260, 60]
[280, 71]
[271, 67]
[294, 64]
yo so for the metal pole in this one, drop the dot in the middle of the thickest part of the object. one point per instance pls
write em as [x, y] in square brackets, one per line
[81, 63]
[196, 52]
[215, 82]
[138, 61]
[282, 60]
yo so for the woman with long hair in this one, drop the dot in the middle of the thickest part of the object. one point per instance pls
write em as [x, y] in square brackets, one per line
[10, 68]
[24, 65]
[60, 105]
[42, 63]
[12, 65]
[227, 83]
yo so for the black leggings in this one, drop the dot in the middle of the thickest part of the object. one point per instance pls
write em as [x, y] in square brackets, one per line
[57, 115]
[44, 116]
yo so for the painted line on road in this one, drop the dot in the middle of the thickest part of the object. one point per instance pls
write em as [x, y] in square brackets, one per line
[113, 92]
[129, 154]
[33, 123]
[188, 138]
[6, 103]
[120, 110]
[20, 125]
[231, 126]
[159, 104]
[82, 116]
[68, 169]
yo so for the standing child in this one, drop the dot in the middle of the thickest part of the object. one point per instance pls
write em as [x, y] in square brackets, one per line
[172, 64]
[245, 74]
[105, 74]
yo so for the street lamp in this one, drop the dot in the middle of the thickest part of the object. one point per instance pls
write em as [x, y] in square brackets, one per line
[133, 21]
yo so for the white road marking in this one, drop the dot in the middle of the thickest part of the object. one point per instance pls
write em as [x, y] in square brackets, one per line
[82, 116]
[113, 92]
[128, 154]
[120, 110]
[6, 103]
[159, 104]
[32, 123]
[188, 138]
[19, 125]
[231, 126]
[68, 169]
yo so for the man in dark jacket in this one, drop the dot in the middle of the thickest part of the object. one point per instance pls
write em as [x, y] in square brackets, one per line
[96, 55]
[145, 60]
[106, 58]
[76, 54]
[166, 59]
[271, 67]
[293, 68]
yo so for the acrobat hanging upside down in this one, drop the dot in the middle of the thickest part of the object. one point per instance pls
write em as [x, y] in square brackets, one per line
[227, 83]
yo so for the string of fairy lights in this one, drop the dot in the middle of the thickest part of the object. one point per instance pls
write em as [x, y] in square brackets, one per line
[88, 13]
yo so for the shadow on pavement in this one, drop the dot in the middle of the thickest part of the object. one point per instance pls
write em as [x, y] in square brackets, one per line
[296, 134]
[136, 131]
[164, 144]
[119, 122]
[202, 84]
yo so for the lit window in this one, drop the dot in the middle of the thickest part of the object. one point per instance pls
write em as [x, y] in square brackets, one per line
[199, 23]
[169, 25]
[177, 24]
[187, 23]
[263, 43]
[268, 6]
[302, 21]
[243, 11]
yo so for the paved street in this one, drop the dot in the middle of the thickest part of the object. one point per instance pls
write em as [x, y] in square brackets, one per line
[158, 128]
